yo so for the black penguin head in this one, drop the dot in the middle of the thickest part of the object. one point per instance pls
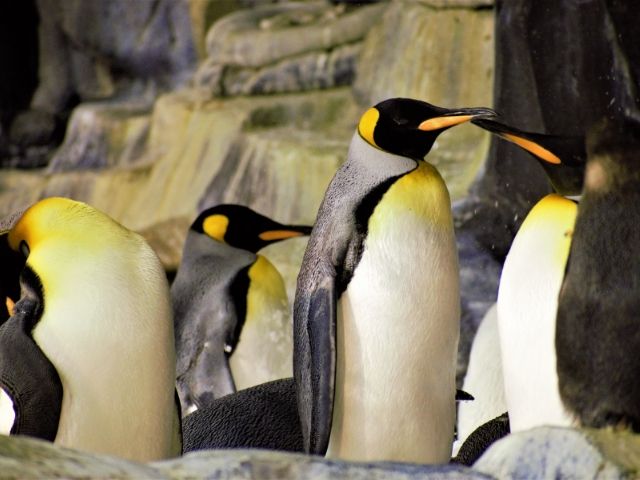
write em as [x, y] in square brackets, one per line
[408, 127]
[562, 157]
[241, 227]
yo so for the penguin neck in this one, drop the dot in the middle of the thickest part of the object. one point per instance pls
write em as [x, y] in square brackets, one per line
[204, 262]
[397, 331]
[374, 165]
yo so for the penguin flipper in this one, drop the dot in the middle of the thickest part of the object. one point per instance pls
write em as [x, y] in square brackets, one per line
[314, 360]
[481, 439]
[322, 328]
[32, 383]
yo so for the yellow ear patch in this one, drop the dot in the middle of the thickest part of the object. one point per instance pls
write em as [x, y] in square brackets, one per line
[438, 123]
[10, 306]
[216, 226]
[367, 125]
[538, 150]
[278, 235]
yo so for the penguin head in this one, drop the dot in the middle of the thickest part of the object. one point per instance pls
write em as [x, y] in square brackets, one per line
[64, 241]
[241, 227]
[408, 127]
[55, 230]
[563, 158]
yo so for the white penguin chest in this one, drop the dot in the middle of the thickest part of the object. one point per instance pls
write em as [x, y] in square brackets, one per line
[397, 332]
[527, 304]
[265, 348]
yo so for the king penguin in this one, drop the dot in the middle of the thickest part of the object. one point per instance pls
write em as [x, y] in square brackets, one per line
[87, 357]
[232, 320]
[598, 338]
[531, 278]
[376, 313]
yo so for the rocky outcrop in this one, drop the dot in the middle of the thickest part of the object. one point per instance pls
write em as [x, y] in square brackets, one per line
[543, 452]
[103, 135]
[549, 452]
[150, 44]
[285, 47]
[22, 457]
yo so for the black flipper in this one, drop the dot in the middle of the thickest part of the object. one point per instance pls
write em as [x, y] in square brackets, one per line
[322, 328]
[28, 377]
[481, 439]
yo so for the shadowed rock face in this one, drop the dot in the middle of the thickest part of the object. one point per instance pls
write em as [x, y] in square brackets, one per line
[18, 28]
[147, 44]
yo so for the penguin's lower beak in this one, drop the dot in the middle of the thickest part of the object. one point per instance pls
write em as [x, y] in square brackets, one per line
[519, 138]
[455, 117]
[290, 231]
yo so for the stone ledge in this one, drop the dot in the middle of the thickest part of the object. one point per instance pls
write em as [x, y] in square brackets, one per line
[554, 452]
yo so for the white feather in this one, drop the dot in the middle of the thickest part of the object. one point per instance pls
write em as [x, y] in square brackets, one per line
[7, 413]
[484, 379]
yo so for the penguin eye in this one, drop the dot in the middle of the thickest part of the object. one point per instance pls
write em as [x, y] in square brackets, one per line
[228, 349]
[24, 248]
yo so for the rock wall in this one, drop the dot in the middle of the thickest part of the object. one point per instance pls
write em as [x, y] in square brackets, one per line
[277, 153]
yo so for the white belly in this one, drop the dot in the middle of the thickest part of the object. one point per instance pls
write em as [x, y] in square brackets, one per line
[397, 338]
[113, 350]
[484, 379]
[527, 305]
[7, 413]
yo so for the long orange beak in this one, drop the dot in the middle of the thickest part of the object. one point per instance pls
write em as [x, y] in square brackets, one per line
[455, 117]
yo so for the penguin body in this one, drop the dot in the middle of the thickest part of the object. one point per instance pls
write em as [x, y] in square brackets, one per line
[531, 278]
[527, 306]
[381, 279]
[233, 327]
[484, 379]
[376, 317]
[598, 339]
[93, 327]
